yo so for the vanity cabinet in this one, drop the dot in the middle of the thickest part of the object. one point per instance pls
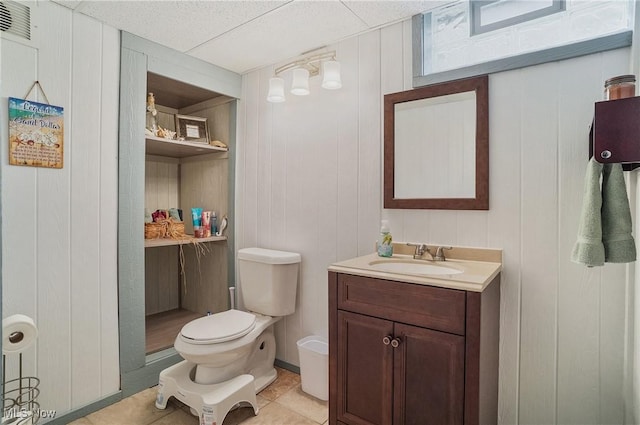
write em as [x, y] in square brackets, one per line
[406, 353]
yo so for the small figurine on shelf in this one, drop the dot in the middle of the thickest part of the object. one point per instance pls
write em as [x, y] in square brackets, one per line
[152, 123]
[164, 133]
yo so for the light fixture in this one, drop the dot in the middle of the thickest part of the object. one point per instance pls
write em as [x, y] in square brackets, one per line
[302, 70]
[331, 75]
[276, 90]
[300, 83]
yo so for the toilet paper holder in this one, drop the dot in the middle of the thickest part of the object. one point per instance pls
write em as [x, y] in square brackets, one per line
[19, 395]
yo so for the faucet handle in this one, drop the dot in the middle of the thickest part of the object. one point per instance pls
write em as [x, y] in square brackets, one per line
[420, 249]
[440, 254]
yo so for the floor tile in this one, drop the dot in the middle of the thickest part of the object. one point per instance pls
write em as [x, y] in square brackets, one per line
[291, 407]
[139, 409]
[276, 414]
[305, 404]
[81, 421]
[285, 381]
[262, 401]
[178, 417]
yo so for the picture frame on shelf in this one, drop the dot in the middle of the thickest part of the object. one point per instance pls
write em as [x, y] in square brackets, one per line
[192, 129]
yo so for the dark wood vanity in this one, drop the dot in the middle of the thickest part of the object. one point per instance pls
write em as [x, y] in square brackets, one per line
[408, 353]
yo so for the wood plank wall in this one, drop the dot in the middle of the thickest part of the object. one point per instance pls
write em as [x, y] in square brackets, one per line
[60, 226]
[204, 185]
[310, 181]
[185, 183]
[161, 191]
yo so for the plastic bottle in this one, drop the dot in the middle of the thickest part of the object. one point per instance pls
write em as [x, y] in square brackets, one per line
[385, 248]
[214, 223]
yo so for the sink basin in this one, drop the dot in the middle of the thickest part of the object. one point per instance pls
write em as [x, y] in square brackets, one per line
[420, 267]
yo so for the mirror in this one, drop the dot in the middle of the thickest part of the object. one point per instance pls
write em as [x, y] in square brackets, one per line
[436, 146]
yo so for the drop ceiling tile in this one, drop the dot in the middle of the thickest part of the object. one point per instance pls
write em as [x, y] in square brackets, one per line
[281, 34]
[181, 25]
[381, 12]
[71, 4]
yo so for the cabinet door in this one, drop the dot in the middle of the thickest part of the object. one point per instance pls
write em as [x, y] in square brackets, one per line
[365, 368]
[428, 377]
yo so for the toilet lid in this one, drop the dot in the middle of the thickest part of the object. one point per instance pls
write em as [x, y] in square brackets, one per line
[219, 327]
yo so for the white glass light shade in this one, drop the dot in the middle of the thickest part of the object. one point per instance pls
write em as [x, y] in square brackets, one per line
[331, 75]
[300, 83]
[276, 90]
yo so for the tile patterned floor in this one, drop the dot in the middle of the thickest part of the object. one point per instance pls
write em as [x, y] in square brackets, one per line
[281, 403]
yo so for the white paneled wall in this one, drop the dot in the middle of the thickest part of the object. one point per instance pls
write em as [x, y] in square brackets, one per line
[632, 372]
[309, 180]
[59, 226]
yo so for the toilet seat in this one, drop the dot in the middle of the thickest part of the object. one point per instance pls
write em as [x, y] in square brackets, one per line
[220, 327]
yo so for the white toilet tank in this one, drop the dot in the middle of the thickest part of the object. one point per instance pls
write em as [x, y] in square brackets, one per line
[268, 280]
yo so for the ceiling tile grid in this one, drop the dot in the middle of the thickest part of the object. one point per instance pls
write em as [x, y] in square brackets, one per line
[384, 12]
[283, 33]
[181, 25]
[244, 35]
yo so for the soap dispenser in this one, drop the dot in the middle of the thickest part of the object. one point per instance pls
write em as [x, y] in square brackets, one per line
[385, 248]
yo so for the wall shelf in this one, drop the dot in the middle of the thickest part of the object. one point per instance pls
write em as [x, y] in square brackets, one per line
[178, 149]
[155, 243]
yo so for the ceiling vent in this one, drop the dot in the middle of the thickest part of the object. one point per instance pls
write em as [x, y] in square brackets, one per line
[15, 18]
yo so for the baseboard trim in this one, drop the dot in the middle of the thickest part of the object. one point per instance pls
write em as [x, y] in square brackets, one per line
[86, 410]
[288, 366]
[140, 379]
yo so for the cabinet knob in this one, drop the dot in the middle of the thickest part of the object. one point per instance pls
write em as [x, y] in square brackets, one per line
[395, 342]
[386, 340]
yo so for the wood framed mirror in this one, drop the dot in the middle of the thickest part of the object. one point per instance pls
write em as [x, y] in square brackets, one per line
[436, 146]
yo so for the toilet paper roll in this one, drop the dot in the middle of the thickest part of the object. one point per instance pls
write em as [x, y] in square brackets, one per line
[18, 333]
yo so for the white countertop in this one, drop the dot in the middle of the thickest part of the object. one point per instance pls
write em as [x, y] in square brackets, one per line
[475, 276]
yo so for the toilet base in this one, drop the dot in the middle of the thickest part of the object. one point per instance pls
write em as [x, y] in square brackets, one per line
[210, 402]
[264, 378]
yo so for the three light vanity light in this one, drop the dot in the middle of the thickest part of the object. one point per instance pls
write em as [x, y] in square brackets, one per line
[302, 70]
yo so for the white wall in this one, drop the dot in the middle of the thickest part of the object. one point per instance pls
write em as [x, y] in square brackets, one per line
[633, 294]
[309, 180]
[59, 226]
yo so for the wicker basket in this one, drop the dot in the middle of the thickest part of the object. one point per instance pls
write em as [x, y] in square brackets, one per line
[175, 229]
[168, 228]
[154, 230]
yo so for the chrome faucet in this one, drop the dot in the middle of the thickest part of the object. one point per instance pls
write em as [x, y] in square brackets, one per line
[420, 250]
[440, 254]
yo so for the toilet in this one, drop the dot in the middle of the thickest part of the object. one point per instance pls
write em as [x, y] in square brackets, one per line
[229, 356]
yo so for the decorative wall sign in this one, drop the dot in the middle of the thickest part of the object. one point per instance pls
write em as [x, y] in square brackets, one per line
[36, 134]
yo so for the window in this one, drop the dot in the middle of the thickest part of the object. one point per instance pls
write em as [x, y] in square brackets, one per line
[490, 15]
[468, 38]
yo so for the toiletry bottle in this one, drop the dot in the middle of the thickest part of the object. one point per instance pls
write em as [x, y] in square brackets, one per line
[385, 248]
[214, 223]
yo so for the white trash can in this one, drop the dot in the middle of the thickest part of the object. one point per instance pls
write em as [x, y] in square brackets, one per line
[314, 366]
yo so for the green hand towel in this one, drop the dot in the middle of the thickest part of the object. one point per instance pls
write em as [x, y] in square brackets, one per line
[619, 246]
[589, 249]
